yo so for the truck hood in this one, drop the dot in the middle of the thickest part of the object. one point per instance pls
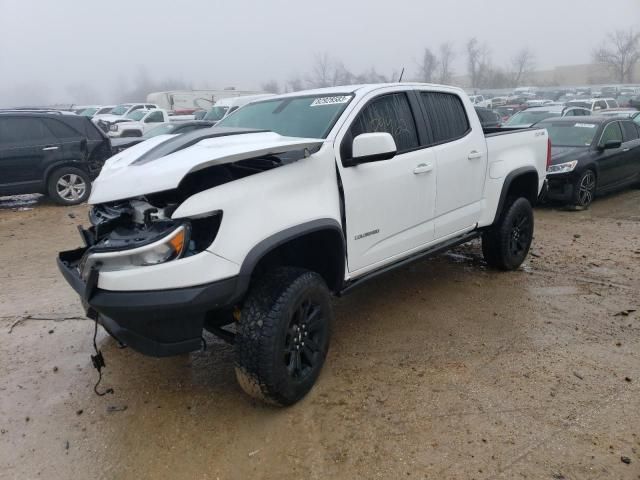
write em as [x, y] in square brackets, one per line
[107, 118]
[566, 154]
[160, 163]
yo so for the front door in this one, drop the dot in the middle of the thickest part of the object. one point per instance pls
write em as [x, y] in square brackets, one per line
[389, 204]
[26, 147]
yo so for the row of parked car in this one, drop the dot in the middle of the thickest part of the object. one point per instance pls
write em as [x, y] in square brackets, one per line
[59, 153]
[595, 145]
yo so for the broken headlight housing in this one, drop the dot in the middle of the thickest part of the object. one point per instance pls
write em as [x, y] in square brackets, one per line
[114, 254]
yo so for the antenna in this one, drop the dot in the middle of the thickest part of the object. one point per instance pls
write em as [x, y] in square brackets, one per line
[401, 74]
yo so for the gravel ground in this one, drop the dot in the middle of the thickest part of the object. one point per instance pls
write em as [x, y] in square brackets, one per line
[440, 370]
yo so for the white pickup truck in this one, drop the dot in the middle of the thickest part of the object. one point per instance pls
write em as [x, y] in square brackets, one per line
[137, 123]
[246, 229]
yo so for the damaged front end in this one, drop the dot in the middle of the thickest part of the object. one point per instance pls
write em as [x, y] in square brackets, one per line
[136, 234]
[147, 272]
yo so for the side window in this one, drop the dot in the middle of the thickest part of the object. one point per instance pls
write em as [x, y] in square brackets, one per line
[629, 131]
[60, 130]
[611, 132]
[136, 107]
[24, 131]
[154, 117]
[447, 118]
[601, 105]
[388, 113]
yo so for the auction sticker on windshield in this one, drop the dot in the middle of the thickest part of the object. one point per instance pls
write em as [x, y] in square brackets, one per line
[318, 102]
[585, 125]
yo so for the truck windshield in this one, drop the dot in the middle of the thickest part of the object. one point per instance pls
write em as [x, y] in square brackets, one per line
[120, 110]
[136, 115]
[529, 118]
[160, 130]
[570, 134]
[89, 112]
[216, 113]
[311, 116]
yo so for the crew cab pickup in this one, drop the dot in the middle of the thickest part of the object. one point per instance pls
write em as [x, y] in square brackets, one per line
[247, 228]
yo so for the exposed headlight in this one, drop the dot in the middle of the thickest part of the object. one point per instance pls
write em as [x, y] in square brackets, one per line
[113, 128]
[170, 247]
[562, 167]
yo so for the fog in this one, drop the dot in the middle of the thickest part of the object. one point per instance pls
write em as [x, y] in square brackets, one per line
[86, 51]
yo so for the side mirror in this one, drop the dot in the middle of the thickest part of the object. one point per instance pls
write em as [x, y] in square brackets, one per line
[372, 147]
[611, 144]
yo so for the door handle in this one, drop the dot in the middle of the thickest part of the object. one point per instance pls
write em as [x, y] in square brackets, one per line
[46, 149]
[423, 168]
[474, 155]
[625, 149]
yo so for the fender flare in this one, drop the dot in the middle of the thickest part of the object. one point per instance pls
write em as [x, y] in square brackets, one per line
[269, 244]
[511, 176]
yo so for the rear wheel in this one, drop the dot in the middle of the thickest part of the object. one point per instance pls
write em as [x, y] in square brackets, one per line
[506, 244]
[584, 189]
[69, 186]
[283, 335]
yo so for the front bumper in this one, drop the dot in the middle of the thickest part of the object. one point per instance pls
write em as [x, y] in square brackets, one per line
[560, 187]
[157, 323]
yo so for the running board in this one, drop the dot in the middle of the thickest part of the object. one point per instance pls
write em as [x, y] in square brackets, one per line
[429, 252]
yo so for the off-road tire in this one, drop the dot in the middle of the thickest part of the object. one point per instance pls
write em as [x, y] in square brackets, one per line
[56, 191]
[506, 245]
[267, 333]
[584, 190]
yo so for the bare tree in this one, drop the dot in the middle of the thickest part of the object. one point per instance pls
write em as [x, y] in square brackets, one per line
[322, 72]
[294, 84]
[478, 63]
[428, 66]
[522, 64]
[271, 86]
[620, 52]
[447, 55]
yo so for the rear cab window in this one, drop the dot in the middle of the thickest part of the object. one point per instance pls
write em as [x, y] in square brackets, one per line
[446, 116]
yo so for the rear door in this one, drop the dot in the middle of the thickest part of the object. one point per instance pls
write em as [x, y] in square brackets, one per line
[389, 204]
[630, 150]
[26, 148]
[611, 162]
[461, 156]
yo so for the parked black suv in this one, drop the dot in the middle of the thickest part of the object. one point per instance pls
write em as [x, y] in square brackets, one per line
[51, 153]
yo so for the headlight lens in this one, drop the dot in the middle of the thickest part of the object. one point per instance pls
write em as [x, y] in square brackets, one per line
[113, 128]
[167, 248]
[562, 167]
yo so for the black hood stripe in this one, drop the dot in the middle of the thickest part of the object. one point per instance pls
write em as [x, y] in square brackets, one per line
[189, 139]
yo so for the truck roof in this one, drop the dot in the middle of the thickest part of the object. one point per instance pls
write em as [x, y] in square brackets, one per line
[365, 88]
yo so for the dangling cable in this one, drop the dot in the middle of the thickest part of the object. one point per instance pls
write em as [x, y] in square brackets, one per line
[98, 362]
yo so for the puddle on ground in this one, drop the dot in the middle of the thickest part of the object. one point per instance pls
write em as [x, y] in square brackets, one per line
[20, 202]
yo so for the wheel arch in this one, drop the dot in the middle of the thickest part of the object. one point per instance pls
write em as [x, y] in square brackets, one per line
[318, 245]
[522, 182]
[63, 164]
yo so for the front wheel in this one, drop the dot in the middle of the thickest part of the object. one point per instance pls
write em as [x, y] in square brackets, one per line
[506, 245]
[584, 189]
[283, 335]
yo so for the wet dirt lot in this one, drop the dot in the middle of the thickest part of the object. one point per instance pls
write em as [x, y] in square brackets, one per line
[440, 370]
